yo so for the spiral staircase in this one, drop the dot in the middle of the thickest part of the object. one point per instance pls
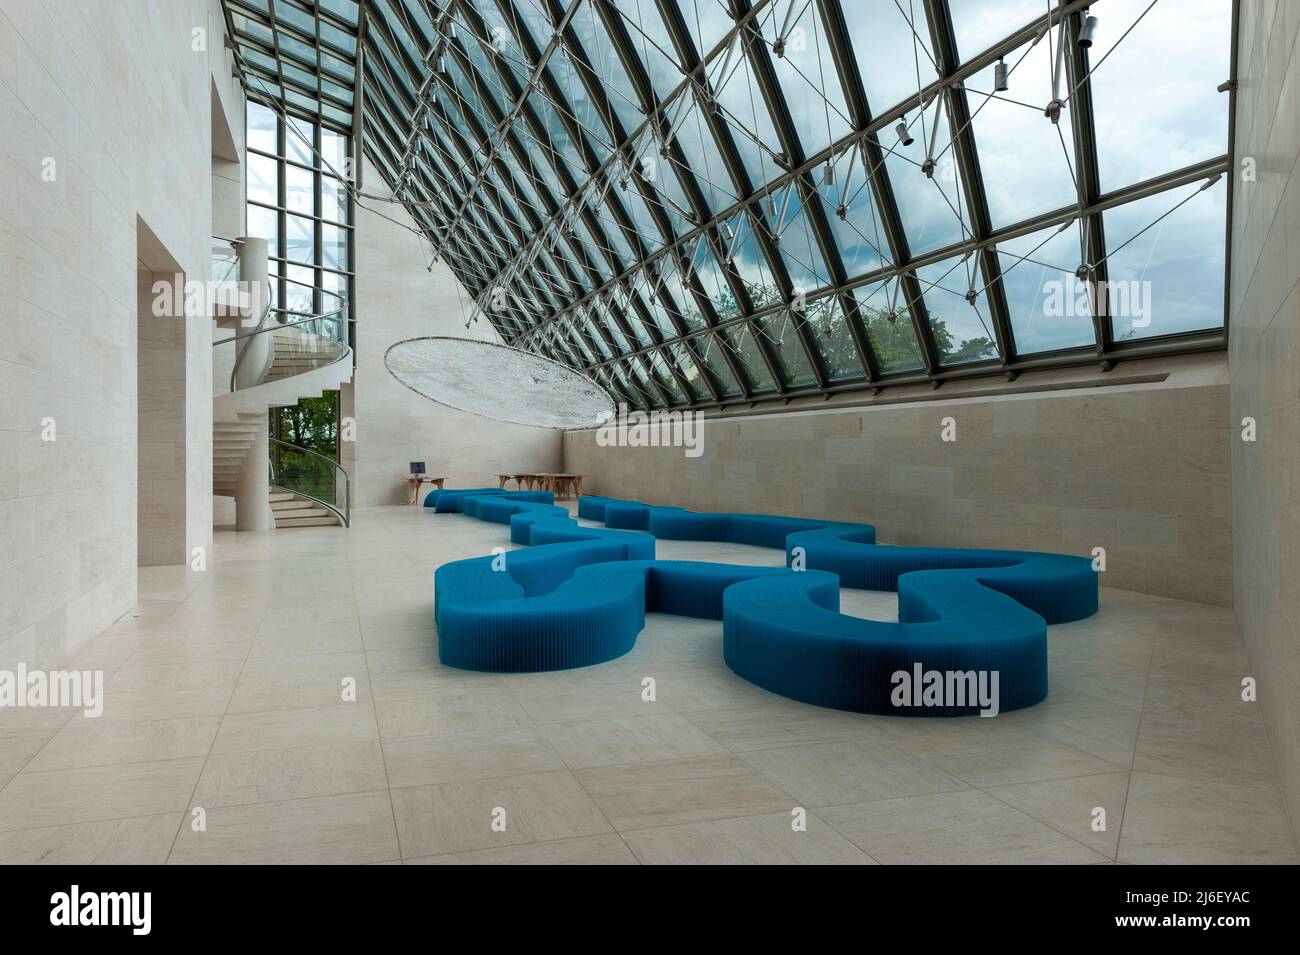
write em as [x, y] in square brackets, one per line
[272, 358]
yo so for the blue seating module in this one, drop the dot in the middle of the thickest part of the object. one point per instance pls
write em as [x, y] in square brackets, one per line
[578, 596]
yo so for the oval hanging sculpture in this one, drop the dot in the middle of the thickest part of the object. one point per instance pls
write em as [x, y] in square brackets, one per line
[498, 382]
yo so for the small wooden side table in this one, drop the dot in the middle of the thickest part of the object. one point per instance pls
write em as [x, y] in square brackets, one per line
[416, 483]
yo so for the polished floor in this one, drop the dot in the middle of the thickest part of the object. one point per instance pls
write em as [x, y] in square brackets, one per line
[228, 736]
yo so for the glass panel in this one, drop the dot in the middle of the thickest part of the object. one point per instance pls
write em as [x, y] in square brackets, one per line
[807, 75]
[334, 199]
[261, 127]
[1027, 161]
[740, 342]
[1169, 278]
[831, 334]
[262, 179]
[963, 332]
[932, 207]
[264, 224]
[300, 239]
[299, 189]
[782, 339]
[298, 139]
[1049, 306]
[1154, 95]
[334, 150]
[298, 293]
[889, 327]
[712, 357]
[334, 246]
[849, 205]
[893, 51]
[979, 24]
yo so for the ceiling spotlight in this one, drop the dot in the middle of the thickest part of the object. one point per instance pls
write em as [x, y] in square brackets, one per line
[727, 231]
[1087, 30]
[828, 175]
[770, 201]
[1000, 84]
[904, 134]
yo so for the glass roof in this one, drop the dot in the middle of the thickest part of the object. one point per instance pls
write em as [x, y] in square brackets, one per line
[701, 202]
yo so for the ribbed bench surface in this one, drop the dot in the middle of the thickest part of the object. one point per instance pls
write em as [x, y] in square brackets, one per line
[579, 595]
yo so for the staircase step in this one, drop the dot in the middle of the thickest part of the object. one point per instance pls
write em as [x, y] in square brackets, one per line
[325, 519]
[297, 504]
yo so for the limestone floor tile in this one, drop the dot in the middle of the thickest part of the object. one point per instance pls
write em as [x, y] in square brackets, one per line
[142, 840]
[769, 725]
[595, 701]
[233, 779]
[1203, 737]
[1110, 738]
[305, 640]
[459, 816]
[635, 739]
[286, 683]
[405, 659]
[673, 792]
[415, 684]
[61, 797]
[153, 705]
[447, 713]
[1002, 755]
[710, 688]
[751, 840]
[92, 742]
[585, 850]
[1171, 819]
[1069, 805]
[383, 637]
[828, 774]
[145, 676]
[428, 760]
[345, 829]
[963, 828]
[282, 729]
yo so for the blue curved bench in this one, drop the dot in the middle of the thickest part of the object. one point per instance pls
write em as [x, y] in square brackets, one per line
[578, 596]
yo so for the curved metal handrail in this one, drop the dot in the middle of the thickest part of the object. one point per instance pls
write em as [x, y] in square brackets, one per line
[345, 514]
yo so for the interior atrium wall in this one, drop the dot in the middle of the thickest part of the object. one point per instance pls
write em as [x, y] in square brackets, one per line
[1264, 356]
[106, 113]
[398, 297]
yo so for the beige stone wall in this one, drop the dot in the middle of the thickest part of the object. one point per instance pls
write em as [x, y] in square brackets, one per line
[1141, 470]
[397, 298]
[160, 424]
[1264, 354]
[118, 98]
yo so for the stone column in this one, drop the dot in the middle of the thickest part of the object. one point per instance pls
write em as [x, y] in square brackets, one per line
[257, 351]
[252, 491]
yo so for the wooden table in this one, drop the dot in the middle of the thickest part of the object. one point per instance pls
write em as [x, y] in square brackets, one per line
[416, 483]
[561, 485]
